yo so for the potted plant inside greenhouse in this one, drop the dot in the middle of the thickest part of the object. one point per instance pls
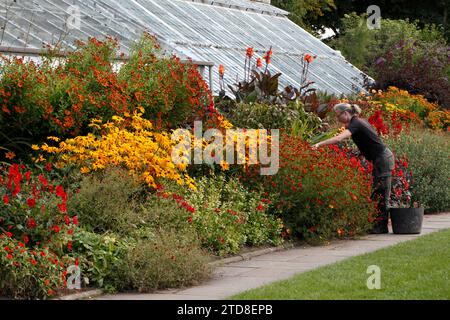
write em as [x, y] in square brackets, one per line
[406, 215]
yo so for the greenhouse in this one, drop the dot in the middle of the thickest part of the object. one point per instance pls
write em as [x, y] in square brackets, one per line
[208, 32]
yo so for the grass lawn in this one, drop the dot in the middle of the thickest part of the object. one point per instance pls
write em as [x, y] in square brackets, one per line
[417, 269]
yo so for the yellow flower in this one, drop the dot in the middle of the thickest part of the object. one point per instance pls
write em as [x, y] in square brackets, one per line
[85, 170]
[146, 154]
[35, 147]
[53, 138]
[40, 159]
[225, 166]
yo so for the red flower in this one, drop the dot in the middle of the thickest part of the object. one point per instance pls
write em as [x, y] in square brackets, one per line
[69, 246]
[259, 63]
[62, 207]
[61, 193]
[43, 180]
[67, 219]
[268, 56]
[43, 254]
[31, 223]
[9, 256]
[249, 53]
[5, 199]
[48, 167]
[308, 58]
[31, 202]
[70, 231]
[33, 262]
[189, 219]
[56, 228]
[260, 207]
[8, 234]
[75, 220]
[28, 175]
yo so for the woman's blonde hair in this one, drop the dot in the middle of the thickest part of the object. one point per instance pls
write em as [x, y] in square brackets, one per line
[353, 109]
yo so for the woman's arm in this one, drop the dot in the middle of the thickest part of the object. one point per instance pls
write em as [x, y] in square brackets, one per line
[344, 135]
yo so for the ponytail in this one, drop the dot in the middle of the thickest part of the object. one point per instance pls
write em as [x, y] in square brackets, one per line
[356, 110]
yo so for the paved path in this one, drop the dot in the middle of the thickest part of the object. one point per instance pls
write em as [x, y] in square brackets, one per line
[241, 276]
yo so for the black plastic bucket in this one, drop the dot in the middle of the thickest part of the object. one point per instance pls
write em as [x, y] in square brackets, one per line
[406, 220]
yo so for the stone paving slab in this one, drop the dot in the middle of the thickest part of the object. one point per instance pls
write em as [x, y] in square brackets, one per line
[240, 276]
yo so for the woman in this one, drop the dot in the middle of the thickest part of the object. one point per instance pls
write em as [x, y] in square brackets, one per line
[374, 150]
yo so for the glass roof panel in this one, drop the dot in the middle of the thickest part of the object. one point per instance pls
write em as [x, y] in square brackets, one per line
[216, 31]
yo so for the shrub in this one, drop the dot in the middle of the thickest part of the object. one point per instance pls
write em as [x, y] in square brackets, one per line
[108, 201]
[85, 86]
[98, 257]
[169, 259]
[263, 116]
[36, 230]
[129, 142]
[22, 91]
[41, 100]
[60, 97]
[428, 154]
[171, 93]
[29, 273]
[396, 99]
[399, 54]
[362, 47]
[424, 74]
[227, 215]
[321, 194]
[132, 224]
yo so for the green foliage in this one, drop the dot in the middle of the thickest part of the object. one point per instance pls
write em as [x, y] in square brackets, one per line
[306, 13]
[229, 216]
[263, 116]
[98, 257]
[362, 47]
[307, 125]
[428, 155]
[108, 201]
[28, 273]
[134, 239]
[172, 93]
[262, 88]
[169, 259]
[35, 233]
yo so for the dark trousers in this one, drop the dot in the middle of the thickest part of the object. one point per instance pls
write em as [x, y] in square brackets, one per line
[382, 180]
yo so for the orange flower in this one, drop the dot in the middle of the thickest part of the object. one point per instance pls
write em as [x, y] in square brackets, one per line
[10, 155]
[268, 56]
[221, 70]
[340, 232]
[308, 58]
[250, 52]
[259, 63]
